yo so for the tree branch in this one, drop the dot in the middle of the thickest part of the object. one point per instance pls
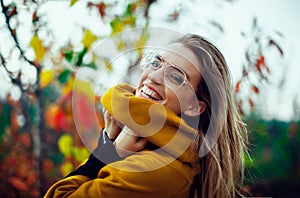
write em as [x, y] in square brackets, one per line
[13, 35]
[15, 81]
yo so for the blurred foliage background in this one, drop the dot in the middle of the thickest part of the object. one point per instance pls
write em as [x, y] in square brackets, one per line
[39, 140]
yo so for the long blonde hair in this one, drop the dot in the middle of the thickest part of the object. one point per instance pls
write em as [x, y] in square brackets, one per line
[222, 168]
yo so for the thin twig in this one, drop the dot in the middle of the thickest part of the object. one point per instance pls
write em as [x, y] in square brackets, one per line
[15, 81]
[13, 35]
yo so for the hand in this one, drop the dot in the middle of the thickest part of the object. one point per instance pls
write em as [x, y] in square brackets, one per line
[112, 126]
[128, 142]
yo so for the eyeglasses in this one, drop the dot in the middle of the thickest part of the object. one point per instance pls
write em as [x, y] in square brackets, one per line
[174, 77]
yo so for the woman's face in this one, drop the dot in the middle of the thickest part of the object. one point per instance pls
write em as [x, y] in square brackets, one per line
[152, 85]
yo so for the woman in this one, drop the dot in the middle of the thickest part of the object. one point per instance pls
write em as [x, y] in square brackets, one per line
[183, 136]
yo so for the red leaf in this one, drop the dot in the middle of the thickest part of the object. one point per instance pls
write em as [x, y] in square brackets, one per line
[245, 72]
[101, 8]
[18, 183]
[255, 89]
[34, 17]
[237, 86]
[251, 103]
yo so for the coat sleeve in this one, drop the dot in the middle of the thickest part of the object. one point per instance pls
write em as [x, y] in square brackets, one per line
[114, 181]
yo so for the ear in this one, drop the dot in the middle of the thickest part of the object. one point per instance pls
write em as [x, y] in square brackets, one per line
[195, 109]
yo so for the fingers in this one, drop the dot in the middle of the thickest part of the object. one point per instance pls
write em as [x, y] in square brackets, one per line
[107, 117]
[140, 144]
[111, 125]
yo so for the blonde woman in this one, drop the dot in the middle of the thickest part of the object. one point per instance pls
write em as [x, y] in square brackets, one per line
[182, 134]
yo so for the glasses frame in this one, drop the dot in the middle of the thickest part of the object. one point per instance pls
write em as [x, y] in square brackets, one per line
[163, 61]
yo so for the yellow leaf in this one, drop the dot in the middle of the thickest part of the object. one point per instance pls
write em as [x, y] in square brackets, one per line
[84, 88]
[121, 45]
[68, 86]
[38, 48]
[107, 64]
[46, 77]
[139, 44]
[65, 144]
[88, 38]
[117, 26]
[66, 168]
[72, 2]
[80, 153]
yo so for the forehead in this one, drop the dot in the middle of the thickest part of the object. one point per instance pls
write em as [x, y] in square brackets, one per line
[183, 58]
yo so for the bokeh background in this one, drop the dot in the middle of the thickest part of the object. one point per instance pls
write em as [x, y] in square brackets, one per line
[43, 45]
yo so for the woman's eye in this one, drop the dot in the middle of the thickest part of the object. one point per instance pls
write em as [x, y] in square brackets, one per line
[176, 79]
[155, 64]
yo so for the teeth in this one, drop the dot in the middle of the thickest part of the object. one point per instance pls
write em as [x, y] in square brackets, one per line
[150, 93]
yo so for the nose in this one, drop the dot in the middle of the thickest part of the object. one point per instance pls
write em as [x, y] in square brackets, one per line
[157, 75]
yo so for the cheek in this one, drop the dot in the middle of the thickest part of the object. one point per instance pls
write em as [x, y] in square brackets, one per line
[173, 101]
[178, 101]
[142, 79]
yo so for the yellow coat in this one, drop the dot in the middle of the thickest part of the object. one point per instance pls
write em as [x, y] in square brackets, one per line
[165, 172]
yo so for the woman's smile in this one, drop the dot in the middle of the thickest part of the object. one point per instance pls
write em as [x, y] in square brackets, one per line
[150, 93]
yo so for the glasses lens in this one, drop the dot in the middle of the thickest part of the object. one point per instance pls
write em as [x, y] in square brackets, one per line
[151, 61]
[174, 77]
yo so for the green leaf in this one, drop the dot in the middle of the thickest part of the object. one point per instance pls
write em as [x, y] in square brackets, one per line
[4, 119]
[57, 158]
[64, 76]
[80, 56]
[69, 55]
[91, 65]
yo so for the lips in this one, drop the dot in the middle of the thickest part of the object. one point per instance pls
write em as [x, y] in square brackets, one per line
[149, 93]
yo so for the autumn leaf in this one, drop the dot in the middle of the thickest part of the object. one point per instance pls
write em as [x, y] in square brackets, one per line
[39, 49]
[18, 183]
[24, 138]
[255, 89]
[116, 25]
[101, 8]
[88, 38]
[34, 17]
[66, 168]
[107, 65]
[47, 166]
[121, 45]
[251, 103]
[65, 144]
[237, 86]
[140, 43]
[68, 86]
[46, 77]
[72, 2]
[80, 154]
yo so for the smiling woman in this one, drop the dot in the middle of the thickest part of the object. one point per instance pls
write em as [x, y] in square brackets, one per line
[178, 134]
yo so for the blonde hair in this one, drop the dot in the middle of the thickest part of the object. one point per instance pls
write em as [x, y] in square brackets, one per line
[222, 168]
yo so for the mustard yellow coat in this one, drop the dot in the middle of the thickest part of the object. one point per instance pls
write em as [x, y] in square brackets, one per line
[166, 172]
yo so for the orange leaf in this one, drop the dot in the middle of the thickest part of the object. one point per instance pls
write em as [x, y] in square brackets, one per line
[31, 178]
[47, 166]
[237, 86]
[18, 183]
[255, 89]
[251, 103]
[24, 138]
